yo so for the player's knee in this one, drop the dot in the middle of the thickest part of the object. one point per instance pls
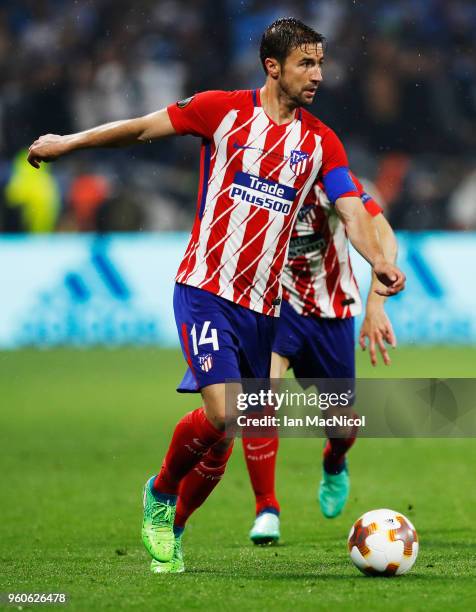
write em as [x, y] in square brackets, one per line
[214, 403]
[216, 416]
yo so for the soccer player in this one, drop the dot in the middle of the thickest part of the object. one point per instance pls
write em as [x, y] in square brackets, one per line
[315, 338]
[261, 154]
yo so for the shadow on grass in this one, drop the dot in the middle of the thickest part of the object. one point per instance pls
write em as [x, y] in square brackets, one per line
[319, 576]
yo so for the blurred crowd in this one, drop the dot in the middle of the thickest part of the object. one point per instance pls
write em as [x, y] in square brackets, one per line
[399, 89]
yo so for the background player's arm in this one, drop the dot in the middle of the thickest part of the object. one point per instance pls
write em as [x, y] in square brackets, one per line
[115, 134]
[341, 189]
[376, 326]
[388, 242]
[363, 235]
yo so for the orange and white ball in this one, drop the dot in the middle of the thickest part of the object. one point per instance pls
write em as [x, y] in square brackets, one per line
[383, 543]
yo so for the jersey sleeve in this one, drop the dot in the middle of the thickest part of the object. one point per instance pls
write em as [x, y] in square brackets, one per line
[198, 115]
[335, 171]
[370, 204]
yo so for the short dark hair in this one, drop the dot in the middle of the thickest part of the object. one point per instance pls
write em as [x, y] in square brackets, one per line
[284, 35]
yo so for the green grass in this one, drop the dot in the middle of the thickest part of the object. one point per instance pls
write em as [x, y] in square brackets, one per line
[81, 430]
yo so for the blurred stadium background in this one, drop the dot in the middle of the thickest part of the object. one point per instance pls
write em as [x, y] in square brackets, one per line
[400, 90]
[89, 247]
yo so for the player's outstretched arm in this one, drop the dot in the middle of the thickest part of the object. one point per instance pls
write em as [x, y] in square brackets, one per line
[376, 327]
[116, 134]
[363, 235]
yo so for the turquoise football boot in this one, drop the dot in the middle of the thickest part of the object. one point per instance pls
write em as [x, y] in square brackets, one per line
[333, 492]
[158, 525]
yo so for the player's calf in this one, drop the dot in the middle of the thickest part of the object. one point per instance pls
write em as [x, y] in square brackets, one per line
[199, 483]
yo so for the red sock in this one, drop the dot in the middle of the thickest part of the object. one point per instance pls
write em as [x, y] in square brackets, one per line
[334, 454]
[193, 436]
[200, 481]
[260, 456]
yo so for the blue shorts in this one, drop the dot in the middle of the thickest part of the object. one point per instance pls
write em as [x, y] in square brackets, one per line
[316, 348]
[220, 340]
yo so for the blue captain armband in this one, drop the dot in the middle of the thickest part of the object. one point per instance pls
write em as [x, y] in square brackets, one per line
[338, 182]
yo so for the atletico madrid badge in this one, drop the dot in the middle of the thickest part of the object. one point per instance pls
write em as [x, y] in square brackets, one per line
[206, 362]
[298, 161]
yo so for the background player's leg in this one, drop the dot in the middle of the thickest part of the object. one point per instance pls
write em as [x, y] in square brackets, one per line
[260, 457]
[336, 358]
[261, 453]
[335, 484]
[336, 449]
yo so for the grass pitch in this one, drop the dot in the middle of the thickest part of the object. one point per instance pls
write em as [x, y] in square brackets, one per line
[81, 430]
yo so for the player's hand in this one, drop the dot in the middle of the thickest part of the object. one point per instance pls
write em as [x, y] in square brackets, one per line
[378, 329]
[46, 148]
[390, 276]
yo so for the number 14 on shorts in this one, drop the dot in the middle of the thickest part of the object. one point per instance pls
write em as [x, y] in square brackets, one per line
[207, 336]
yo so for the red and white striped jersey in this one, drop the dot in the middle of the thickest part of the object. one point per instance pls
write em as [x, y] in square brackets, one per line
[318, 278]
[254, 177]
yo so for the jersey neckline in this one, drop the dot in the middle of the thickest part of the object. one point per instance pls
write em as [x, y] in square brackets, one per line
[256, 94]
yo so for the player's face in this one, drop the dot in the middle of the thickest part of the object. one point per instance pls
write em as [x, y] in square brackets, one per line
[301, 73]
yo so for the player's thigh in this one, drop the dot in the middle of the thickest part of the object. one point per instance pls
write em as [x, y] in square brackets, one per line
[279, 365]
[324, 356]
[256, 333]
[208, 339]
[334, 356]
[288, 341]
[333, 348]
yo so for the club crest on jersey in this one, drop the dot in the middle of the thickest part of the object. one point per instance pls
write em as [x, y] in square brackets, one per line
[308, 213]
[298, 161]
[206, 362]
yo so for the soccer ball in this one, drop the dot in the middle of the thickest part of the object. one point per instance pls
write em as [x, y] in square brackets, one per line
[383, 543]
